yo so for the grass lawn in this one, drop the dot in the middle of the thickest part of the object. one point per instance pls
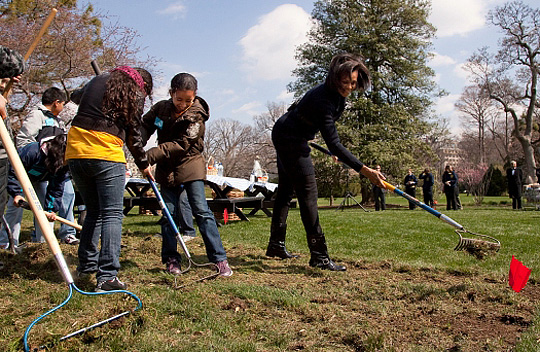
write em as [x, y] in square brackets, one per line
[405, 289]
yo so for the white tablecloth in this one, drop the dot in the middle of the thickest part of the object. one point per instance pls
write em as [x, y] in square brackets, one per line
[240, 183]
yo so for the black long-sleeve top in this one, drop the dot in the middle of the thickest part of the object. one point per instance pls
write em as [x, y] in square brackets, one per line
[90, 116]
[318, 110]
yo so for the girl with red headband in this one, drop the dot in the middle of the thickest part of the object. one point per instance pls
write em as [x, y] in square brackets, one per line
[109, 116]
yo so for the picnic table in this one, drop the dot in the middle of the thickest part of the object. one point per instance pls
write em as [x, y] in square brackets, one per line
[137, 189]
[259, 195]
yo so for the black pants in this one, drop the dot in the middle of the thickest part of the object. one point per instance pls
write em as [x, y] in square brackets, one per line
[305, 186]
[380, 202]
[428, 196]
[412, 193]
[516, 202]
[451, 198]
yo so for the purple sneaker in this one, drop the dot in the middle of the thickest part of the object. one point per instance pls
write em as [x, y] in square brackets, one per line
[224, 268]
[173, 266]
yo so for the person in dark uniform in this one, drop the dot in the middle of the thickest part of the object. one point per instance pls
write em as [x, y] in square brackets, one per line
[427, 186]
[514, 177]
[378, 194]
[450, 180]
[316, 111]
[410, 182]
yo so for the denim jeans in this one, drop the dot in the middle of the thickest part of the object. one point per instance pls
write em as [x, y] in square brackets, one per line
[204, 217]
[4, 169]
[14, 216]
[101, 185]
[185, 220]
[65, 211]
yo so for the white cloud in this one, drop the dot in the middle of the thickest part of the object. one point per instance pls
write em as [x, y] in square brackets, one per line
[441, 60]
[177, 10]
[445, 105]
[285, 95]
[458, 17]
[268, 48]
[461, 72]
[251, 108]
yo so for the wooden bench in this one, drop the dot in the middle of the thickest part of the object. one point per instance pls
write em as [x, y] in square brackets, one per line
[235, 205]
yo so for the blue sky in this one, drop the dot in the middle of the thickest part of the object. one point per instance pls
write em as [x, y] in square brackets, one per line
[242, 51]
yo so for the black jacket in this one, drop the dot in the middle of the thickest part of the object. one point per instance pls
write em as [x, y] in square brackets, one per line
[91, 117]
[515, 182]
[317, 111]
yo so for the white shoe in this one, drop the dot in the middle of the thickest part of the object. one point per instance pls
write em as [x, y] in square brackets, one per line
[188, 238]
[71, 239]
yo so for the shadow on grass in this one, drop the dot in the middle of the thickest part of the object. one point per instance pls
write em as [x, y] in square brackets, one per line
[34, 262]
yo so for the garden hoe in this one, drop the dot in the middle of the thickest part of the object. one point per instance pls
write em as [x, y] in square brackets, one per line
[43, 223]
[475, 246]
[167, 214]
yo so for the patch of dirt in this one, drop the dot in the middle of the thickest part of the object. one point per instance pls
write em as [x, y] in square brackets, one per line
[381, 306]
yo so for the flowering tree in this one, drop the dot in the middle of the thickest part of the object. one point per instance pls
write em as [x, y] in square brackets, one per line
[475, 178]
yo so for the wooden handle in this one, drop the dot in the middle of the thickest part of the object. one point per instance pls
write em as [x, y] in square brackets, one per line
[69, 223]
[25, 205]
[44, 27]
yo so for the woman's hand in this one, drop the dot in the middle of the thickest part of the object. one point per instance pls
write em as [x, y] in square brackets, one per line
[376, 177]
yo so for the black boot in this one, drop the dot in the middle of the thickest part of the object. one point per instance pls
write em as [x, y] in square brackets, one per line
[276, 245]
[277, 249]
[319, 255]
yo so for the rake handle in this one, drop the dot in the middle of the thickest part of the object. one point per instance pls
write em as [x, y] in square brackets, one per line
[399, 192]
[167, 213]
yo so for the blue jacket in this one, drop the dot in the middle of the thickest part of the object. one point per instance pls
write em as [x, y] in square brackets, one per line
[33, 159]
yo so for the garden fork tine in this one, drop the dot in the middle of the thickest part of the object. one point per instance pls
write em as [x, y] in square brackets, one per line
[167, 214]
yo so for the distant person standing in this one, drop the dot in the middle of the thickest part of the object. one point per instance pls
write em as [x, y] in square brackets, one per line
[378, 194]
[427, 186]
[450, 180]
[410, 187]
[514, 177]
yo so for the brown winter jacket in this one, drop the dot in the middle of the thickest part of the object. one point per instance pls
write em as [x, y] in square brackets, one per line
[180, 142]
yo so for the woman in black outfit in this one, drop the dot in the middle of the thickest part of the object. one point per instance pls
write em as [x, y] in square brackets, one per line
[316, 111]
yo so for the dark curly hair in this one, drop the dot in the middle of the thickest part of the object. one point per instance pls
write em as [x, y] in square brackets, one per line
[56, 149]
[123, 100]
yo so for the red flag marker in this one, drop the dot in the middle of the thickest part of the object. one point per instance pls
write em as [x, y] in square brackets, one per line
[225, 216]
[519, 275]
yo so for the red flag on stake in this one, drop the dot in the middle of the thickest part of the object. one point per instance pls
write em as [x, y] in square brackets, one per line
[519, 274]
[225, 216]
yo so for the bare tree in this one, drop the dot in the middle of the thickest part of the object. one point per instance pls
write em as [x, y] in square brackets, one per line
[519, 56]
[63, 56]
[477, 113]
[233, 144]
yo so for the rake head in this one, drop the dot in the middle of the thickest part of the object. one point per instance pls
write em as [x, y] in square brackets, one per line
[479, 248]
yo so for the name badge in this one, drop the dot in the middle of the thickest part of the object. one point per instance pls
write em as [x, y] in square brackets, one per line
[158, 123]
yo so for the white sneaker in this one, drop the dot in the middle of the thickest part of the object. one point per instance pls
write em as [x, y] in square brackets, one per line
[188, 238]
[71, 239]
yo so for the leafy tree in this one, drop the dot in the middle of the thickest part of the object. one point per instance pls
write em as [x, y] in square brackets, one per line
[511, 76]
[387, 124]
[75, 38]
